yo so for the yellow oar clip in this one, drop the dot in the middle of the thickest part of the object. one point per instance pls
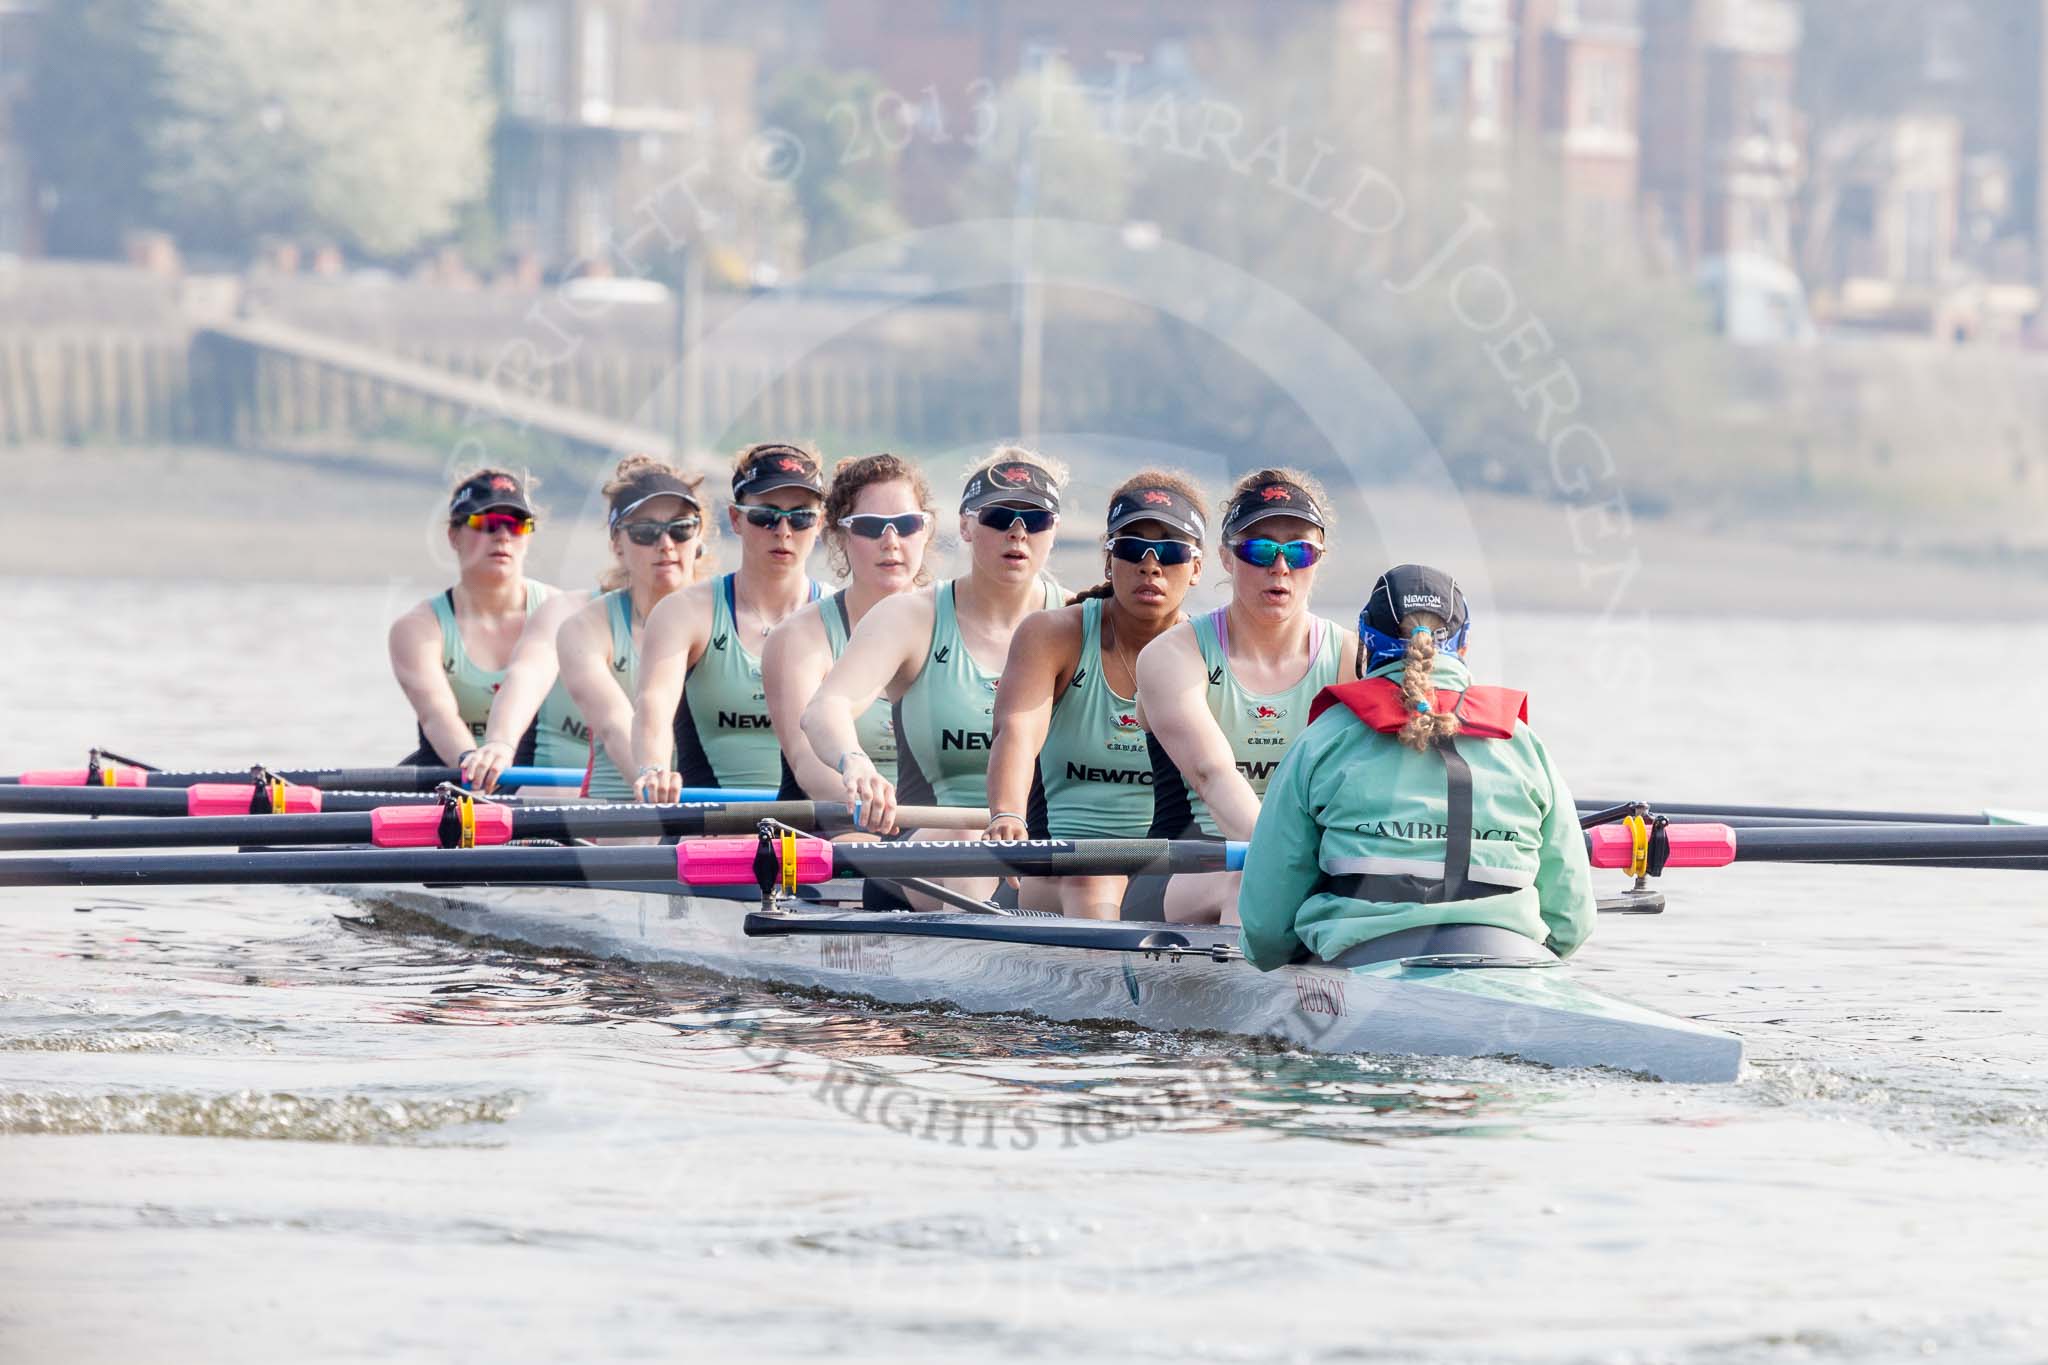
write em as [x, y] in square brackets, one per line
[465, 816]
[789, 861]
[278, 802]
[1639, 835]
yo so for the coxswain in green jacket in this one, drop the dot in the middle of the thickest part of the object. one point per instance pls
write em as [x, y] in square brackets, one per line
[1413, 799]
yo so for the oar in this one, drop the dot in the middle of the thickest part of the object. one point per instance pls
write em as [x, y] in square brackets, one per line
[400, 779]
[700, 862]
[205, 799]
[1940, 845]
[245, 797]
[1692, 812]
[425, 824]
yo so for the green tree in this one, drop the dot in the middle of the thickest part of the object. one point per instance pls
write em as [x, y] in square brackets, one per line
[366, 122]
[94, 94]
[1047, 154]
[845, 177]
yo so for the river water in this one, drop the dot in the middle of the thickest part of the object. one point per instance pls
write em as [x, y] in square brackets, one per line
[256, 1125]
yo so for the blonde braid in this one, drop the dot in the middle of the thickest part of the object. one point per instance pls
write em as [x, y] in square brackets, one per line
[1426, 725]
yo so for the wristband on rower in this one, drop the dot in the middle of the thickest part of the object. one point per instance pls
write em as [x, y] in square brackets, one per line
[851, 753]
[1005, 815]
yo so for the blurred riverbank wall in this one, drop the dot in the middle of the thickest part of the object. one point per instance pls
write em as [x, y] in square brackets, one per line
[109, 355]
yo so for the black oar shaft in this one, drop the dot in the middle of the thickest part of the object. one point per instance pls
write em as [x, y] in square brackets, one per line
[394, 779]
[152, 801]
[470, 866]
[1041, 858]
[1896, 843]
[1700, 811]
[526, 866]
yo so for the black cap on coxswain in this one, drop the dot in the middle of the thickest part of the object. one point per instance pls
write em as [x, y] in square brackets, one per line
[1018, 481]
[489, 490]
[644, 487]
[1415, 587]
[1161, 504]
[1403, 589]
[774, 467]
[1273, 498]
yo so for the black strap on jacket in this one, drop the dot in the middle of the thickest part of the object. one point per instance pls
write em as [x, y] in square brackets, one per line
[1458, 837]
[1457, 884]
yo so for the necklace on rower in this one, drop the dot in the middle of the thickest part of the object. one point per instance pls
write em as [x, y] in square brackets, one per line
[1130, 666]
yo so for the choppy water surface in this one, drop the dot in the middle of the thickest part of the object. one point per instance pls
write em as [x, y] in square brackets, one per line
[274, 1124]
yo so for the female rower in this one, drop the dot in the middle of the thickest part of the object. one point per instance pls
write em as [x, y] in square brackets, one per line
[877, 527]
[1221, 696]
[654, 513]
[1417, 814]
[449, 653]
[700, 717]
[1069, 760]
[576, 662]
[936, 654]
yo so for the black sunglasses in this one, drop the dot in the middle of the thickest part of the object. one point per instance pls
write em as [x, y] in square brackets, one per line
[1133, 549]
[1035, 519]
[799, 518]
[650, 532]
[873, 525]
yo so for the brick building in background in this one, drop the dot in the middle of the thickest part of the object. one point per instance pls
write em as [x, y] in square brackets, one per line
[20, 210]
[601, 102]
[1580, 90]
[1720, 134]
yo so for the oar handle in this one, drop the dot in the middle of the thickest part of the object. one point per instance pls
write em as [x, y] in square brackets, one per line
[942, 817]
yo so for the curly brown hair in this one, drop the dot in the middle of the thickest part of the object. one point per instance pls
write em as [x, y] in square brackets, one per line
[855, 473]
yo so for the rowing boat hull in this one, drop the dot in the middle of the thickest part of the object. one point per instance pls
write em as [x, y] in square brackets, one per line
[1542, 1015]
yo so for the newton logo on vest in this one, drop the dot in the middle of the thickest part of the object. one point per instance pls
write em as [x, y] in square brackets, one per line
[939, 655]
[718, 641]
[1216, 675]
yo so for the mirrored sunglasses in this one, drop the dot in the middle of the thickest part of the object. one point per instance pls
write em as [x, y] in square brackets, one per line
[489, 522]
[1261, 551]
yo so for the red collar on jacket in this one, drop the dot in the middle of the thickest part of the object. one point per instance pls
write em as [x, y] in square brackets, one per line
[1486, 712]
